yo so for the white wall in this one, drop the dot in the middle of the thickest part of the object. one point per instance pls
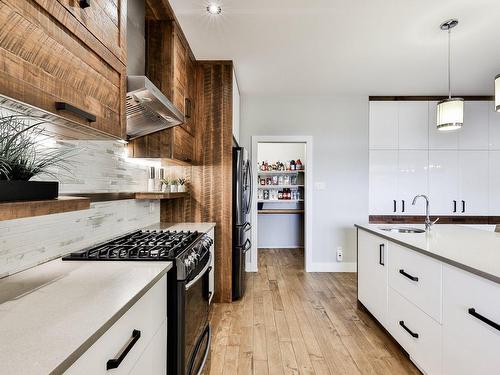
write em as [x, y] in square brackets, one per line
[283, 152]
[339, 126]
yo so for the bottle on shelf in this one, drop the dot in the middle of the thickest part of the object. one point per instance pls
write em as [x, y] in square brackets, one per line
[292, 165]
[286, 180]
[280, 194]
[280, 180]
[298, 165]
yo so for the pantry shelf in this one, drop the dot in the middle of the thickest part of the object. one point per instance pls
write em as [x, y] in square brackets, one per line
[279, 186]
[279, 200]
[279, 212]
[262, 173]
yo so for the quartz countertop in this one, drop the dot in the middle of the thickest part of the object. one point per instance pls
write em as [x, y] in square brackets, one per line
[200, 227]
[473, 250]
[52, 313]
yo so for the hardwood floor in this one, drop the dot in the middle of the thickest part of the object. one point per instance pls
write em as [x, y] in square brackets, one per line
[292, 322]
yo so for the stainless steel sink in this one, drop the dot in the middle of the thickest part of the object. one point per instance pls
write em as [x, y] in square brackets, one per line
[403, 230]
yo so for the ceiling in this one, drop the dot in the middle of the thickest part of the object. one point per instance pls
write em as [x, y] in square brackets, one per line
[349, 47]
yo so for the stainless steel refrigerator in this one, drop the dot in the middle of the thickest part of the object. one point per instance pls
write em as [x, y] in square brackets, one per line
[242, 203]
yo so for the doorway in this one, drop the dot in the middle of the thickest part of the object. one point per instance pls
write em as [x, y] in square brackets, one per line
[282, 201]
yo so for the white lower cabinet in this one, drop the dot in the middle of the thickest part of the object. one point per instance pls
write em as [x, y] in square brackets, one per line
[470, 344]
[153, 361]
[416, 332]
[135, 331]
[372, 274]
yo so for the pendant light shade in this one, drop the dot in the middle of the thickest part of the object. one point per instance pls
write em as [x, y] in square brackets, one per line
[497, 93]
[450, 112]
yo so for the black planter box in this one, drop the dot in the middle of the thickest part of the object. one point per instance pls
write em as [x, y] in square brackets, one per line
[28, 190]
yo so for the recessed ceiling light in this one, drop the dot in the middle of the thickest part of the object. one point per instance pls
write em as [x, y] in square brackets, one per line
[214, 8]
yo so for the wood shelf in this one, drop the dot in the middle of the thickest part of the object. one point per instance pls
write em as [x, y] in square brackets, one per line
[279, 186]
[22, 209]
[159, 195]
[279, 212]
[279, 172]
[280, 200]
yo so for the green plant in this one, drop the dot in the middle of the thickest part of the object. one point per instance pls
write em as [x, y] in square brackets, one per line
[165, 181]
[182, 181]
[174, 182]
[22, 155]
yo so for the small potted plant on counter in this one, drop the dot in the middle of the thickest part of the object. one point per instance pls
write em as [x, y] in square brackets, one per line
[23, 156]
[165, 185]
[173, 186]
[182, 185]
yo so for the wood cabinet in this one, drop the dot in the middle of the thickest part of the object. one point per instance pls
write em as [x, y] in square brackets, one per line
[48, 56]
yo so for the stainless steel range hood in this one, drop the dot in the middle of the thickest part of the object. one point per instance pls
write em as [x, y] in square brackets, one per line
[148, 110]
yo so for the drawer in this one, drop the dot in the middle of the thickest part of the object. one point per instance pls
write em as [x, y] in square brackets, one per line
[470, 345]
[146, 315]
[417, 278]
[46, 60]
[154, 359]
[405, 320]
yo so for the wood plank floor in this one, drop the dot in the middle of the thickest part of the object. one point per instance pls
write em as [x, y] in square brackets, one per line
[292, 322]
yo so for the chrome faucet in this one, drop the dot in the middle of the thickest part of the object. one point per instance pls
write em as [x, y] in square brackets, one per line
[428, 223]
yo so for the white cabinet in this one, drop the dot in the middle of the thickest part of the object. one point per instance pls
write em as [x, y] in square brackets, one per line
[413, 132]
[474, 134]
[412, 181]
[134, 330]
[473, 182]
[383, 132]
[494, 183]
[440, 140]
[372, 274]
[470, 346]
[211, 277]
[152, 361]
[443, 182]
[494, 127]
[383, 182]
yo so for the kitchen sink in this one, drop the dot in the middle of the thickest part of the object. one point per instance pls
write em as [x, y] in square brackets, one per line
[403, 230]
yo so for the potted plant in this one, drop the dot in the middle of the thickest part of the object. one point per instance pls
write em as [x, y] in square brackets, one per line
[165, 185]
[182, 185]
[22, 157]
[173, 186]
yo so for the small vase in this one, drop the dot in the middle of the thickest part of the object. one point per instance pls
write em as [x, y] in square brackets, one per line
[173, 188]
[165, 188]
[181, 188]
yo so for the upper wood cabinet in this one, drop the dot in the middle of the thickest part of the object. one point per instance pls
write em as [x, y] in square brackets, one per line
[106, 20]
[47, 57]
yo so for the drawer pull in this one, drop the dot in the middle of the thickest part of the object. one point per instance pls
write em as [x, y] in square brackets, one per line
[491, 323]
[463, 206]
[413, 334]
[402, 206]
[381, 257]
[62, 106]
[84, 3]
[454, 206]
[394, 205]
[115, 362]
[405, 274]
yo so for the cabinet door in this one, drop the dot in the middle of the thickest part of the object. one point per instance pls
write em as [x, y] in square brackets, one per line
[383, 132]
[372, 274]
[106, 20]
[383, 182]
[412, 180]
[494, 124]
[443, 182]
[190, 99]
[473, 188]
[413, 125]
[182, 145]
[48, 58]
[494, 183]
[179, 72]
[438, 139]
[474, 133]
[153, 360]
[470, 346]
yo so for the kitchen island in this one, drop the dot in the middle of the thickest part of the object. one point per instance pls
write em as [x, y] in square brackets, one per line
[436, 293]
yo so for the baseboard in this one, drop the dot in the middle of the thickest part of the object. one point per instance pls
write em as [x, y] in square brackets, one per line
[333, 267]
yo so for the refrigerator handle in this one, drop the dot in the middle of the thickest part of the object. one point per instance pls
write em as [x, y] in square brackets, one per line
[250, 185]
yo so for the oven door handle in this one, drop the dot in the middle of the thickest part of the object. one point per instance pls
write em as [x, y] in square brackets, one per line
[205, 357]
[205, 269]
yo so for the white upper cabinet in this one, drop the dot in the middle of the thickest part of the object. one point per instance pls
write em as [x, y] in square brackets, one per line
[412, 180]
[494, 125]
[383, 130]
[494, 183]
[440, 140]
[443, 182]
[383, 182]
[474, 134]
[473, 182]
[413, 125]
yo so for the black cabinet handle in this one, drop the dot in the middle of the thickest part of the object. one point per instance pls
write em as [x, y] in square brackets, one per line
[381, 258]
[84, 3]
[62, 106]
[115, 362]
[463, 206]
[413, 334]
[402, 206]
[491, 323]
[394, 203]
[454, 206]
[414, 278]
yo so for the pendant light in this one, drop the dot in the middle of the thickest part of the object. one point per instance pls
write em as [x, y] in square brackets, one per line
[497, 93]
[450, 111]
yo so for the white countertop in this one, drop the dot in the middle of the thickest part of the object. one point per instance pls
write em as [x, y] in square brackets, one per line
[52, 313]
[474, 250]
[200, 227]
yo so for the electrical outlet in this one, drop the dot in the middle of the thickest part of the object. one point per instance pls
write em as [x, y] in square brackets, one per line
[340, 254]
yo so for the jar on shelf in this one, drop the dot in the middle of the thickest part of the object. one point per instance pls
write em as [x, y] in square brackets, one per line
[274, 195]
[260, 194]
[280, 180]
[293, 179]
[280, 194]
[275, 180]
[269, 181]
[266, 195]
[286, 180]
[262, 181]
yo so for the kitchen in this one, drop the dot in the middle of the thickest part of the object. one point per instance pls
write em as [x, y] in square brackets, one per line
[140, 108]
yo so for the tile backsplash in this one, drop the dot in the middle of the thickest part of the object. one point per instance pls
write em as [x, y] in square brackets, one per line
[97, 166]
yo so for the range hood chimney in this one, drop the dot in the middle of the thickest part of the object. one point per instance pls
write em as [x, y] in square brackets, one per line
[148, 109]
